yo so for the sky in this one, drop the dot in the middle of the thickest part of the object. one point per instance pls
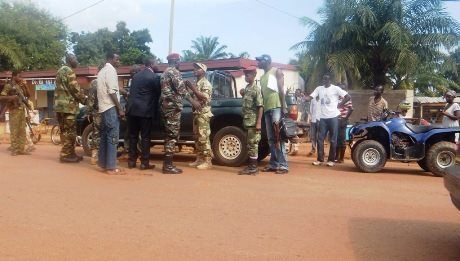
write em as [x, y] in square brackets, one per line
[255, 26]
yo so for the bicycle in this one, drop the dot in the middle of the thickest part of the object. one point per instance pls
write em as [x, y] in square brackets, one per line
[44, 128]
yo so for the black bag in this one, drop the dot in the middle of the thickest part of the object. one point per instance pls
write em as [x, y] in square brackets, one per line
[288, 129]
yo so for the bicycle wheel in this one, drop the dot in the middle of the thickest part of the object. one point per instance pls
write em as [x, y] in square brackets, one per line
[56, 135]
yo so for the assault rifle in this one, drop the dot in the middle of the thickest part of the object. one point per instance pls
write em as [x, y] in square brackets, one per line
[22, 98]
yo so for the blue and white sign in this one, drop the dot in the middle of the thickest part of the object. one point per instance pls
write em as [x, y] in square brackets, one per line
[44, 85]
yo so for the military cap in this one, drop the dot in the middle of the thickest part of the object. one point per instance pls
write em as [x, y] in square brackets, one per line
[250, 69]
[264, 57]
[173, 56]
[201, 66]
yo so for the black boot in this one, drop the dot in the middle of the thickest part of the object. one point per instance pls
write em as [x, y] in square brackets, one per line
[146, 165]
[131, 164]
[251, 169]
[69, 159]
[168, 167]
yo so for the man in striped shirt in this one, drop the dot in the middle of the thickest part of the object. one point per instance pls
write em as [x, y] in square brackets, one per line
[345, 111]
[377, 105]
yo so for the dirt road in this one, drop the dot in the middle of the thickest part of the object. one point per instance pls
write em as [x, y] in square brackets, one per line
[53, 211]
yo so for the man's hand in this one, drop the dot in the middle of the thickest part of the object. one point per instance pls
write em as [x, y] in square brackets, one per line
[284, 111]
[258, 126]
[121, 113]
[196, 105]
[242, 92]
[189, 85]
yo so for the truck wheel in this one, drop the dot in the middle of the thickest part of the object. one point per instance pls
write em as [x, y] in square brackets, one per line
[422, 164]
[440, 157]
[87, 139]
[229, 146]
[369, 156]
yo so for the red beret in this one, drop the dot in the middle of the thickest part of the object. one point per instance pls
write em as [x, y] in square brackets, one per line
[173, 56]
[250, 69]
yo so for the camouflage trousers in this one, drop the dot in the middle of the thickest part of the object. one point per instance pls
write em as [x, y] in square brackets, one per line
[201, 133]
[67, 125]
[17, 130]
[171, 121]
[253, 138]
[96, 135]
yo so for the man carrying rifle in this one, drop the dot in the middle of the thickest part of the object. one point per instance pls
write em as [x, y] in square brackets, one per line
[272, 86]
[16, 93]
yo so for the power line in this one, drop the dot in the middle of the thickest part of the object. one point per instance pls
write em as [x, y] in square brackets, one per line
[277, 9]
[82, 10]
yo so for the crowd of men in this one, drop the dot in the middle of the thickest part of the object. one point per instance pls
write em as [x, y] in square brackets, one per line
[329, 111]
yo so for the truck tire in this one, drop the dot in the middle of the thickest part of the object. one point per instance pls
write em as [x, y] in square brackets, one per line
[229, 146]
[369, 156]
[422, 164]
[440, 157]
[87, 139]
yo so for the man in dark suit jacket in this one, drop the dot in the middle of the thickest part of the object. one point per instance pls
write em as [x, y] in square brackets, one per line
[143, 100]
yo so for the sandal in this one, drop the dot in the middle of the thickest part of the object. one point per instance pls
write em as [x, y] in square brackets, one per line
[115, 172]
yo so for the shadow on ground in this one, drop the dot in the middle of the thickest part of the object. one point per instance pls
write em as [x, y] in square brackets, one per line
[387, 170]
[386, 239]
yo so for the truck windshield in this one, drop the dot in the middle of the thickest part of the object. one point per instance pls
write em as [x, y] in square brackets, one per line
[222, 83]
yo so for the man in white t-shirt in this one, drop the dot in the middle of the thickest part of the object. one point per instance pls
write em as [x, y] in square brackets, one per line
[108, 98]
[330, 97]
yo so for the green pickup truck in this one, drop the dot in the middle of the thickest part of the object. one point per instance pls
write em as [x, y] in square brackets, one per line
[228, 138]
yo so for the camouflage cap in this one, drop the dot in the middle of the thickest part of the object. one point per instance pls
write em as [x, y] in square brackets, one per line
[201, 66]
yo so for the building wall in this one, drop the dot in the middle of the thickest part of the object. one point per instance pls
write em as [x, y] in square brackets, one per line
[360, 99]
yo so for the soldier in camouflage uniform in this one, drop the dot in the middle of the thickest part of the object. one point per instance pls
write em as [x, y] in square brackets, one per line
[67, 95]
[252, 119]
[201, 130]
[93, 111]
[173, 91]
[16, 108]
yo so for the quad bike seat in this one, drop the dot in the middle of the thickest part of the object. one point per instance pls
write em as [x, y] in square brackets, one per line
[422, 128]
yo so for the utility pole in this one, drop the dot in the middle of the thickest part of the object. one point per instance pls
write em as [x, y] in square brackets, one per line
[171, 27]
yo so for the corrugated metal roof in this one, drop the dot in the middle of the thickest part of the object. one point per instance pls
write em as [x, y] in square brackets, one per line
[425, 100]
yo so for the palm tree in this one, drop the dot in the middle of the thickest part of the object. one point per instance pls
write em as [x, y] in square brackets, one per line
[371, 42]
[208, 48]
[10, 54]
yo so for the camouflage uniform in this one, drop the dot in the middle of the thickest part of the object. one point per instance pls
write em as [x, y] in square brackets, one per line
[173, 91]
[201, 129]
[67, 95]
[17, 117]
[252, 100]
[93, 111]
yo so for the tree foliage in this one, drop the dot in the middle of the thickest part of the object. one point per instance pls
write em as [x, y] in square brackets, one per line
[205, 48]
[369, 42]
[90, 48]
[30, 38]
